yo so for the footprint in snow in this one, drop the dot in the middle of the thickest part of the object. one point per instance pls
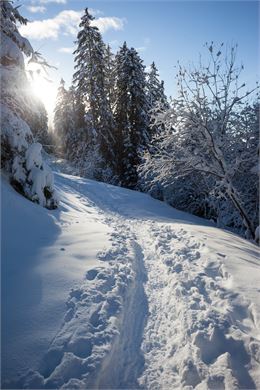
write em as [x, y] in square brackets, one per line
[221, 254]
[91, 274]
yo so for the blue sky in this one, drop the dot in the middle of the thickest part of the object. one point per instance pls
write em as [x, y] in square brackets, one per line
[162, 31]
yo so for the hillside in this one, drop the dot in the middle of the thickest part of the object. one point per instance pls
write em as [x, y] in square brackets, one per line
[117, 290]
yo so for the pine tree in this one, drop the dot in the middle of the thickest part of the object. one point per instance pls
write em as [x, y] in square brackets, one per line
[153, 86]
[156, 97]
[64, 120]
[131, 114]
[163, 98]
[59, 113]
[90, 86]
[38, 123]
[109, 60]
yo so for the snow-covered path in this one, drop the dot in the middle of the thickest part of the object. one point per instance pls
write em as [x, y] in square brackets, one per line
[197, 331]
[155, 298]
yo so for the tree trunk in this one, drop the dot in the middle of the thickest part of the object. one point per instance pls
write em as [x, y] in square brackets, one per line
[238, 205]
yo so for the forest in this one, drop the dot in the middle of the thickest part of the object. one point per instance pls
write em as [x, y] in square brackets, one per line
[197, 151]
[129, 256]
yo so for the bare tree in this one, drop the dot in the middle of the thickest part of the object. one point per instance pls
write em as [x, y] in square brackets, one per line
[203, 123]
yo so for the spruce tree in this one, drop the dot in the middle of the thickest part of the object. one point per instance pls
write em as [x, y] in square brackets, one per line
[153, 86]
[156, 97]
[131, 114]
[38, 122]
[109, 76]
[64, 121]
[90, 86]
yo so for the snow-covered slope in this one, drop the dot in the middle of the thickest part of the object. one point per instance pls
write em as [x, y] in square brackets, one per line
[117, 290]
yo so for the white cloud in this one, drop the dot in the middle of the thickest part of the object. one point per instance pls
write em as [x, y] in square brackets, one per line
[107, 23]
[67, 50]
[66, 23]
[35, 9]
[141, 48]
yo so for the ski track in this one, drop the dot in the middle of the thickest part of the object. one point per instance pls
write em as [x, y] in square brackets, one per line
[158, 315]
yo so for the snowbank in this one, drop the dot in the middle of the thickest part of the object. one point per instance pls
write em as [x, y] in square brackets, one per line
[116, 289]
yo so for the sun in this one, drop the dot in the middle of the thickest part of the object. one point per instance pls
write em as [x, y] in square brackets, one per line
[43, 87]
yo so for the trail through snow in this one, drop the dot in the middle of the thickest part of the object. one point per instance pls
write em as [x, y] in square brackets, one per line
[157, 299]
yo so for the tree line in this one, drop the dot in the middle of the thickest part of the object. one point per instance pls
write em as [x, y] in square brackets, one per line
[198, 151]
[102, 120]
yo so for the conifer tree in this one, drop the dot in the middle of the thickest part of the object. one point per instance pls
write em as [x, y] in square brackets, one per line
[109, 76]
[64, 121]
[38, 122]
[156, 97]
[131, 114]
[153, 85]
[90, 87]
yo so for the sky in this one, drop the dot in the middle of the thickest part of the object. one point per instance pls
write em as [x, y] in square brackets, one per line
[161, 31]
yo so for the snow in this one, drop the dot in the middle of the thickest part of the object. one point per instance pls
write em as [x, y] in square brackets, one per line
[40, 174]
[17, 135]
[14, 129]
[33, 156]
[46, 254]
[10, 50]
[115, 289]
[18, 170]
[9, 18]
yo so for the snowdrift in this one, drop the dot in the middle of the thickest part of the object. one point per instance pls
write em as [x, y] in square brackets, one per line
[115, 289]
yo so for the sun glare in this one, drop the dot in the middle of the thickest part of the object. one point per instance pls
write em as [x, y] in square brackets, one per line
[43, 88]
